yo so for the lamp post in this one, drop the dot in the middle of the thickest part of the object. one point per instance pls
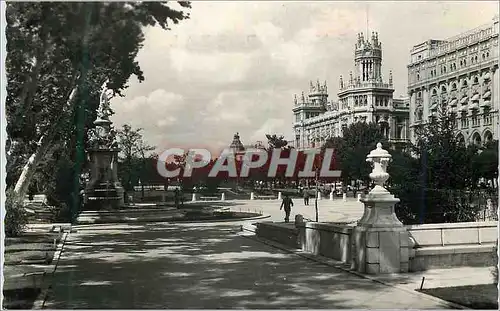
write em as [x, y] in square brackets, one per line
[316, 199]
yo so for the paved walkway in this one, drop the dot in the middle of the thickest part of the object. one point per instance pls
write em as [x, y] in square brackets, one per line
[205, 266]
[335, 210]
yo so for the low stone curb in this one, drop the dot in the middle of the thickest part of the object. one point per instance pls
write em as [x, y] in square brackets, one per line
[221, 220]
[47, 282]
[339, 265]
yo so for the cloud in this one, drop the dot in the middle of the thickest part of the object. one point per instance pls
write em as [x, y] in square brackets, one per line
[271, 126]
[235, 66]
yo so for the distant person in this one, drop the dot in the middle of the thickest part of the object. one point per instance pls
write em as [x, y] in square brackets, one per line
[181, 197]
[306, 197]
[176, 198]
[287, 204]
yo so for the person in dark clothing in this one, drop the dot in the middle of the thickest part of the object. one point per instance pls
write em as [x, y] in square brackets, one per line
[287, 205]
[176, 198]
[306, 196]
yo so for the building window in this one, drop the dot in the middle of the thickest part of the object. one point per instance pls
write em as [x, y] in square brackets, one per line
[476, 139]
[475, 120]
[418, 77]
[464, 121]
[487, 120]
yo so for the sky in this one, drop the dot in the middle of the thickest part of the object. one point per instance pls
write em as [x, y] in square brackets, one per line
[235, 66]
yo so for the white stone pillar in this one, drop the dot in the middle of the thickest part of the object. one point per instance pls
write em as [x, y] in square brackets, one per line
[193, 198]
[344, 197]
[279, 196]
[252, 196]
[382, 243]
[359, 197]
[319, 195]
[331, 195]
[223, 197]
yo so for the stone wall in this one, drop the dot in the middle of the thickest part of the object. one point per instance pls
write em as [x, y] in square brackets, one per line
[329, 240]
[285, 234]
[431, 246]
[452, 245]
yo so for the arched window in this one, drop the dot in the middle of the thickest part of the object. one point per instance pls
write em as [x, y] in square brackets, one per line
[434, 92]
[461, 139]
[443, 89]
[418, 77]
[464, 83]
[476, 139]
[476, 80]
[488, 137]
[454, 86]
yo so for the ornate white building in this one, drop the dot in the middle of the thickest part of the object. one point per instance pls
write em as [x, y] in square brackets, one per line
[364, 97]
[460, 73]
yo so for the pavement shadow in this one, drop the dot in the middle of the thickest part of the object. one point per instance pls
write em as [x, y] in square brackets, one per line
[194, 266]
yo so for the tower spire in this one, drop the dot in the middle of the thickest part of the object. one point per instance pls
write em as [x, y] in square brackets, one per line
[367, 17]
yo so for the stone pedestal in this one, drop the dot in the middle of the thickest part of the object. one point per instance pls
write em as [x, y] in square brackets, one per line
[331, 196]
[104, 191]
[252, 196]
[381, 241]
[319, 195]
[381, 250]
[279, 196]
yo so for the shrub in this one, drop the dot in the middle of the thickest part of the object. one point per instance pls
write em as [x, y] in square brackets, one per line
[15, 217]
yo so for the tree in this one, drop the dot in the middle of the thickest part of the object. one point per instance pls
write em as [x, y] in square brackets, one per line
[277, 142]
[445, 174]
[58, 56]
[357, 140]
[133, 156]
[485, 163]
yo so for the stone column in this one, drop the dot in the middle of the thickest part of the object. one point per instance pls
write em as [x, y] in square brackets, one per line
[381, 240]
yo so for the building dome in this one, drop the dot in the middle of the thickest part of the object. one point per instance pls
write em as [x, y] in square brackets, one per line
[236, 145]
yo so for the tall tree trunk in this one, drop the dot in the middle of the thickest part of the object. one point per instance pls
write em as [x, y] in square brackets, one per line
[44, 145]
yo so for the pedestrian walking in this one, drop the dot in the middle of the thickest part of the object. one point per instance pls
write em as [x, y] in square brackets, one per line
[306, 197]
[287, 204]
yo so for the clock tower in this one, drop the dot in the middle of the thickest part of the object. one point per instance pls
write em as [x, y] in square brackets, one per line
[368, 59]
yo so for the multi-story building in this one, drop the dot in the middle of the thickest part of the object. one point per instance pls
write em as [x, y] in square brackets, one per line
[460, 75]
[364, 97]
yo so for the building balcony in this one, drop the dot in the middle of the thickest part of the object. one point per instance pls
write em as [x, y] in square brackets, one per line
[453, 74]
[366, 84]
